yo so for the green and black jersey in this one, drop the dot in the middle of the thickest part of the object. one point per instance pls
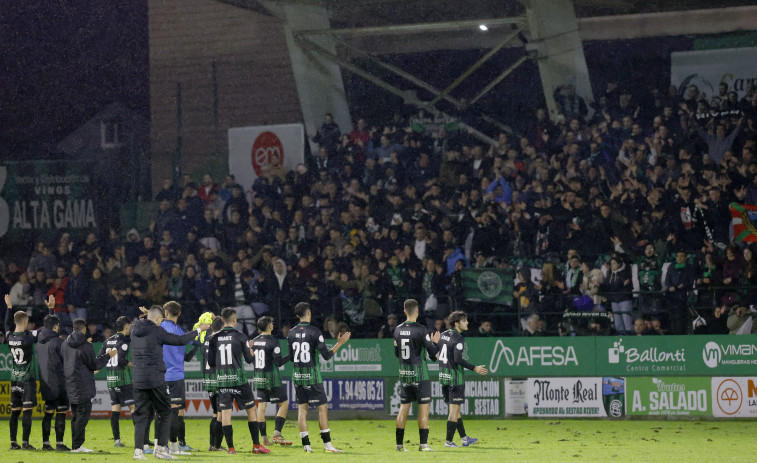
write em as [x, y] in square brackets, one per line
[412, 345]
[305, 342]
[226, 353]
[268, 359]
[22, 350]
[208, 373]
[118, 370]
[451, 362]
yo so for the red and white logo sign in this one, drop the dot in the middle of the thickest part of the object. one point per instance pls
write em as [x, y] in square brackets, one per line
[729, 397]
[264, 148]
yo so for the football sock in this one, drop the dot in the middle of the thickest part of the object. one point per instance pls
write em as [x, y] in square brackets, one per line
[213, 432]
[114, 424]
[400, 434]
[461, 427]
[279, 424]
[305, 438]
[47, 422]
[13, 425]
[26, 423]
[60, 426]
[219, 433]
[326, 435]
[182, 432]
[262, 428]
[228, 432]
[451, 428]
[253, 425]
[174, 429]
[424, 435]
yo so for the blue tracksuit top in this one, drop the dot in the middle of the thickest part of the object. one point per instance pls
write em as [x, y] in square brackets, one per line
[173, 356]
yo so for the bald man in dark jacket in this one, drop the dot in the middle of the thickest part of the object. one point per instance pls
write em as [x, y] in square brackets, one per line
[148, 375]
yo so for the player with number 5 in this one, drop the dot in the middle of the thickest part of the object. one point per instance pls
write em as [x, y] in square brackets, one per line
[412, 345]
[305, 342]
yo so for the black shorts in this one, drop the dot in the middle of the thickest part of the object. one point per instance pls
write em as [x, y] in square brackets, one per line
[213, 401]
[311, 395]
[123, 396]
[416, 392]
[242, 395]
[453, 394]
[273, 396]
[177, 393]
[60, 404]
[24, 394]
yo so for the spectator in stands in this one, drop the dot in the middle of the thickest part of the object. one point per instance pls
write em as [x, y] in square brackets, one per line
[485, 329]
[328, 134]
[387, 329]
[617, 289]
[76, 292]
[208, 186]
[679, 280]
[534, 326]
[168, 192]
[741, 319]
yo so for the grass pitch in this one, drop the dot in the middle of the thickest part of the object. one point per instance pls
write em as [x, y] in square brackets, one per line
[500, 440]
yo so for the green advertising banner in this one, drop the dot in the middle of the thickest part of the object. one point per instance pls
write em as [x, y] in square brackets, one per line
[589, 356]
[670, 396]
[45, 198]
[490, 285]
[677, 355]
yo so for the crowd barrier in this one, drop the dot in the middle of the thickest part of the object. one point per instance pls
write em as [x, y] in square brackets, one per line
[706, 376]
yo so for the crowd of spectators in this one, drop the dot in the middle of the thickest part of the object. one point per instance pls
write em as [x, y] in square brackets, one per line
[399, 208]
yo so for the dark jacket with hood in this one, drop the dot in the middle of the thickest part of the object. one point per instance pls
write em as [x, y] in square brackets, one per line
[79, 366]
[51, 379]
[147, 340]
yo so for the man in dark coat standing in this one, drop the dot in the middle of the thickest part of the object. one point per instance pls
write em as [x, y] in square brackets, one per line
[52, 382]
[148, 377]
[79, 366]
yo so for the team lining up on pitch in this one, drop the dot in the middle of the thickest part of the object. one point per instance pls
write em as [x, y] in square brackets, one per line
[145, 372]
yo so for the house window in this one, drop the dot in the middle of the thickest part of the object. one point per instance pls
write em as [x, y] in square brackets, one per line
[109, 134]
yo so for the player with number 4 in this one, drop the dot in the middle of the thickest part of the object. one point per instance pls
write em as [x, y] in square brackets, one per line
[452, 367]
[305, 342]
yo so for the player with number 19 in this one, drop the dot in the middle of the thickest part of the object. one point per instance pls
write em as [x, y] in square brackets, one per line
[267, 382]
[451, 375]
[231, 351]
[305, 342]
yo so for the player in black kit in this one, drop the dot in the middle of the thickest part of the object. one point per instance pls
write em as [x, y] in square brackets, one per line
[451, 371]
[305, 342]
[412, 345]
[209, 385]
[119, 375]
[267, 381]
[23, 383]
[231, 351]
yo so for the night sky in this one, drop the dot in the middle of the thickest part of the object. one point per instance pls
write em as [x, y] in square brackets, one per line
[61, 62]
